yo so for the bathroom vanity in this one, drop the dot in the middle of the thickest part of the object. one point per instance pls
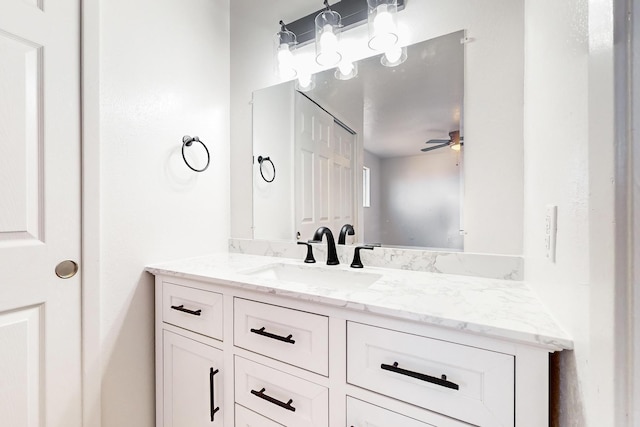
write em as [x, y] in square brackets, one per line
[245, 340]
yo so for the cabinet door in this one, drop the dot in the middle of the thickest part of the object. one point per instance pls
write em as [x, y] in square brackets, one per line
[193, 375]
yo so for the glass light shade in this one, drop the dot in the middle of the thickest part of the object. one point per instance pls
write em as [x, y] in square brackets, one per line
[328, 25]
[305, 82]
[346, 70]
[284, 45]
[383, 29]
[394, 56]
[456, 147]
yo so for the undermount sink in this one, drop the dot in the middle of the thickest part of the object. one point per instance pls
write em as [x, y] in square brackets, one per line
[315, 275]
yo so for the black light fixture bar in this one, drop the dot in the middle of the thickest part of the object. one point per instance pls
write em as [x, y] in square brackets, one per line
[353, 13]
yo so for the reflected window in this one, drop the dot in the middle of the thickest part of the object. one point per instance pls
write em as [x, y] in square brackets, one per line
[366, 187]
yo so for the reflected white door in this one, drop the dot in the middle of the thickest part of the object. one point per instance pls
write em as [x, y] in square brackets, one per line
[324, 170]
[343, 199]
[313, 153]
[40, 371]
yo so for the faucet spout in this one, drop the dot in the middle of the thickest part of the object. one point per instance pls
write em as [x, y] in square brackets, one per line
[347, 229]
[332, 255]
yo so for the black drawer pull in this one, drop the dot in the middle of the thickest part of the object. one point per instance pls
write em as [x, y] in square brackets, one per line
[442, 381]
[212, 406]
[286, 406]
[186, 310]
[262, 332]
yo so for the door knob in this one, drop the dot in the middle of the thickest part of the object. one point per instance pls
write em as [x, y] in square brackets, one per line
[66, 269]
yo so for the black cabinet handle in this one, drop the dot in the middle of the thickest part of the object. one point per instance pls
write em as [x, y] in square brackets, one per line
[262, 332]
[286, 406]
[186, 310]
[212, 406]
[442, 381]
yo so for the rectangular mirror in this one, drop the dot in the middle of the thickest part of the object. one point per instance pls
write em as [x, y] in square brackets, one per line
[377, 151]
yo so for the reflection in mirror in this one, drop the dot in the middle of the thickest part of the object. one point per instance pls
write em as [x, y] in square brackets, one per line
[374, 151]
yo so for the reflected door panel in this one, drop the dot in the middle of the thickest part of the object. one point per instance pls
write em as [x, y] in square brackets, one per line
[324, 170]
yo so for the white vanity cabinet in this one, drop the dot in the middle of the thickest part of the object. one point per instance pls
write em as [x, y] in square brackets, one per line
[268, 360]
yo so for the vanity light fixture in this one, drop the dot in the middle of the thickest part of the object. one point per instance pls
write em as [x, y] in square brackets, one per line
[284, 43]
[328, 26]
[325, 27]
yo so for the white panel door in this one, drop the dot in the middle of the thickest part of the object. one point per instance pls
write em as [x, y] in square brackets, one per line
[313, 163]
[324, 170]
[343, 200]
[40, 365]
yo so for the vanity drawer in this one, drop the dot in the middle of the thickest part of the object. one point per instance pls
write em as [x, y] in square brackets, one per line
[247, 418]
[282, 397]
[363, 414]
[471, 384]
[292, 336]
[193, 309]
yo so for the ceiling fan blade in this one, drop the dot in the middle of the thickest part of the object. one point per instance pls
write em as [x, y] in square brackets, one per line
[435, 147]
[438, 141]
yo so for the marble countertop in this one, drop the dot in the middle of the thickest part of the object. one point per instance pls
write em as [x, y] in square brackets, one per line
[492, 307]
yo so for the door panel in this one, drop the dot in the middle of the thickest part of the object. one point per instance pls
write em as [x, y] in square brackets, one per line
[20, 399]
[324, 168]
[20, 126]
[40, 333]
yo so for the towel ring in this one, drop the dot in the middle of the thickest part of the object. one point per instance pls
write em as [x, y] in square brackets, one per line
[187, 141]
[261, 160]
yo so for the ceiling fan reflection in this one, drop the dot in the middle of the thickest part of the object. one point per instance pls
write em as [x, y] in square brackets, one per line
[455, 141]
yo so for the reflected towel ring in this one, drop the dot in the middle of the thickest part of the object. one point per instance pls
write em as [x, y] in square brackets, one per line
[261, 160]
[187, 141]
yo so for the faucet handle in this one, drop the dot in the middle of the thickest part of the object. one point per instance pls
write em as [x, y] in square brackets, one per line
[309, 258]
[357, 263]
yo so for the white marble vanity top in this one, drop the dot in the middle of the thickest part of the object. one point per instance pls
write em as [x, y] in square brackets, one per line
[492, 307]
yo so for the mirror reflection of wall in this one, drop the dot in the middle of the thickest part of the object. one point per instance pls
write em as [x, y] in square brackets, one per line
[394, 114]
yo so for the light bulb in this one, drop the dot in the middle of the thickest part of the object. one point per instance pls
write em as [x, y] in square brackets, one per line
[456, 147]
[346, 67]
[328, 40]
[384, 34]
[329, 54]
[286, 67]
[383, 22]
[393, 55]
[304, 80]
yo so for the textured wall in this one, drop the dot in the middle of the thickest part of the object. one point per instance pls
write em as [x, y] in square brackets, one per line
[569, 147]
[164, 73]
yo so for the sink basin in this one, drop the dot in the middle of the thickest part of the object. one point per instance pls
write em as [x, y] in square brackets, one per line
[315, 275]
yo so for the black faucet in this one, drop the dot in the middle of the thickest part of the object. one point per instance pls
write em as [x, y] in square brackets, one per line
[309, 258]
[357, 263]
[332, 255]
[346, 229]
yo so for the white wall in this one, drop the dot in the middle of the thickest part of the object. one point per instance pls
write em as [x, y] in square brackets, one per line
[164, 73]
[420, 198]
[494, 62]
[569, 148]
[273, 135]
